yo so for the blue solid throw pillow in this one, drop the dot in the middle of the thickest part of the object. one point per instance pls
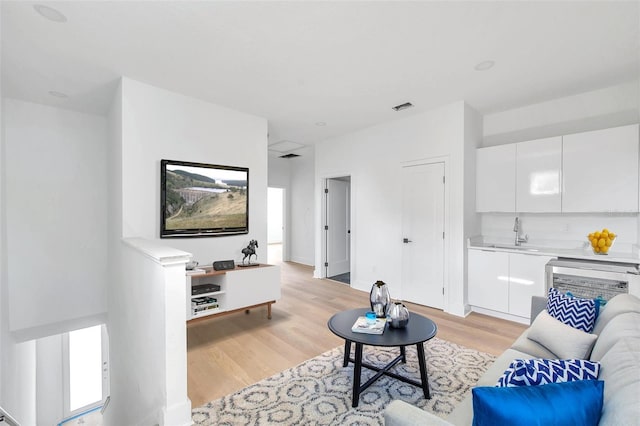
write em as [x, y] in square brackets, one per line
[576, 403]
[577, 313]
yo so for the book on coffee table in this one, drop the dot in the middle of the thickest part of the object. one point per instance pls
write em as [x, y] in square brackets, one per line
[363, 325]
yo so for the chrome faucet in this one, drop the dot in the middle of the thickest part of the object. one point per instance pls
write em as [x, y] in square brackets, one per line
[517, 230]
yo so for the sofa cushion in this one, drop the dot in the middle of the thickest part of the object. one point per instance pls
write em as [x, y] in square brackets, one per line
[622, 325]
[619, 304]
[573, 311]
[536, 372]
[462, 414]
[564, 341]
[400, 413]
[570, 403]
[621, 373]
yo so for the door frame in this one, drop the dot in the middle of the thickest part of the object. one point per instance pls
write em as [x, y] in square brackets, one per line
[327, 232]
[320, 269]
[447, 223]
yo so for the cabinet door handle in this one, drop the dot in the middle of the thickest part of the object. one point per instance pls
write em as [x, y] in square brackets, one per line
[406, 240]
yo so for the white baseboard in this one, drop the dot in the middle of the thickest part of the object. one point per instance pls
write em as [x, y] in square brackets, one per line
[177, 414]
[302, 260]
[500, 315]
[458, 310]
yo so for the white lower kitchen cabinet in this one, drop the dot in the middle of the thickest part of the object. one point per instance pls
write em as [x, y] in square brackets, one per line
[489, 279]
[526, 279]
[505, 282]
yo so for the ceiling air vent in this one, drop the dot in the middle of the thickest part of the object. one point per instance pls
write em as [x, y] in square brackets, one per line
[403, 106]
[289, 156]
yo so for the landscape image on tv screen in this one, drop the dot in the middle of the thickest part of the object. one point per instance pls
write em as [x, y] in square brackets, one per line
[203, 199]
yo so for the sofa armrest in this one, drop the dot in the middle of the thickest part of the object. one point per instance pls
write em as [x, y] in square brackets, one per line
[400, 413]
[538, 304]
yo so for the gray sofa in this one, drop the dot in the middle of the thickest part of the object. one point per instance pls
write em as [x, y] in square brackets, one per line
[617, 348]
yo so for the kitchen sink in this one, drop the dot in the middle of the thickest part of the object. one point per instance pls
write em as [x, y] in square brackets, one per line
[511, 247]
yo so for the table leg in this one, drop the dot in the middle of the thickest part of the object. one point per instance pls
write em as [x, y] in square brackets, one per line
[403, 354]
[347, 352]
[423, 370]
[357, 370]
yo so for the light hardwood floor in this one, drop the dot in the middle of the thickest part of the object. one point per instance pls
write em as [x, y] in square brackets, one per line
[228, 353]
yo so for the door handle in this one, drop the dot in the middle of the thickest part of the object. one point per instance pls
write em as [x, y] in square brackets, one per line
[406, 240]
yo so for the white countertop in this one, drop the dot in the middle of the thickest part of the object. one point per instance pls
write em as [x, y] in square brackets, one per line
[555, 250]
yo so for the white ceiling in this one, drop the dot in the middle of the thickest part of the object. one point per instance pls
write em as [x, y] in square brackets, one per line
[341, 63]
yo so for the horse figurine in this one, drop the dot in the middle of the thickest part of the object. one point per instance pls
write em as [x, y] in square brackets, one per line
[250, 250]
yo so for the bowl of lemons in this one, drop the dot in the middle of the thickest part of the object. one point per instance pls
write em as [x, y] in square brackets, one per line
[601, 241]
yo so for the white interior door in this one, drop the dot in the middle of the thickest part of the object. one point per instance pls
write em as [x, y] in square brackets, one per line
[337, 228]
[423, 234]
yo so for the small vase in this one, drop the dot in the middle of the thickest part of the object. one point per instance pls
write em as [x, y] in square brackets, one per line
[379, 298]
[398, 315]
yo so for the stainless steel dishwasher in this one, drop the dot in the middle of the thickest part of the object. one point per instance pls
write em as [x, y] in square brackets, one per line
[592, 279]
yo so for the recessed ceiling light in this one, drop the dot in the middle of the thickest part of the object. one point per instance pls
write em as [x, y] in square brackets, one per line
[58, 94]
[50, 13]
[321, 124]
[484, 65]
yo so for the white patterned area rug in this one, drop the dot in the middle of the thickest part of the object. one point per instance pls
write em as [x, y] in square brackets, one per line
[318, 391]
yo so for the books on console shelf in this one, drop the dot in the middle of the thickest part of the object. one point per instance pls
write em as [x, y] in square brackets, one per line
[203, 307]
[200, 309]
[362, 325]
[203, 300]
[202, 303]
[196, 271]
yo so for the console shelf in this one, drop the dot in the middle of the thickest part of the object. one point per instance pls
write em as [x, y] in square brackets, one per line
[240, 289]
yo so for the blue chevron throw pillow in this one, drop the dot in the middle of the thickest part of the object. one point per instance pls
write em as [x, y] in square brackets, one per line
[575, 312]
[534, 372]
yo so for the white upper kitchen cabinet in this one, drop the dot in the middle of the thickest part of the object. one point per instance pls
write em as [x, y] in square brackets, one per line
[600, 170]
[538, 175]
[496, 179]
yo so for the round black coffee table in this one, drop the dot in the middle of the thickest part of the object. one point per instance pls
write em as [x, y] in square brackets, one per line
[419, 330]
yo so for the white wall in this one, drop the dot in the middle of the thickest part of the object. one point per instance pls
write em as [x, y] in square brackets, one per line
[147, 124]
[562, 230]
[17, 360]
[49, 380]
[279, 177]
[19, 380]
[301, 196]
[279, 172]
[598, 109]
[373, 158]
[56, 218]
[147, 341]
[297, 176]
[472, 139]
[158, 124]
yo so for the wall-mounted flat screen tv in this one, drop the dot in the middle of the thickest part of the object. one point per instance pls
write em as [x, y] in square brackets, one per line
[203, 200]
